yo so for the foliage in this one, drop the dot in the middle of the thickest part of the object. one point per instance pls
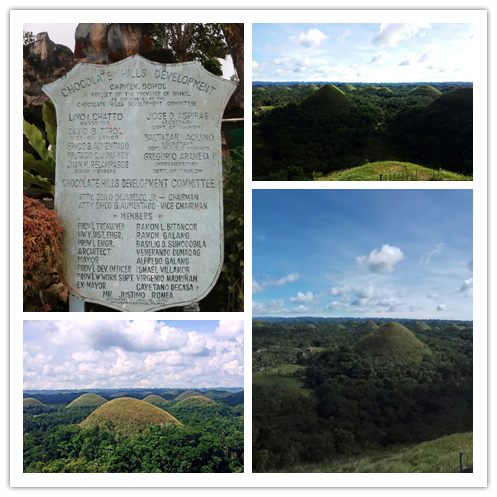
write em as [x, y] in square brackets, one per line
[200, 42]
[44, 167]
[210, 440]
[304, 133]
[28, 37]
[342, 403]
[230, 285]
[42, 247]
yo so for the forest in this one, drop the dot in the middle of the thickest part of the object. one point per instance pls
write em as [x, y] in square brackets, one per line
[133, 431]
[308, 131]
[330, 393]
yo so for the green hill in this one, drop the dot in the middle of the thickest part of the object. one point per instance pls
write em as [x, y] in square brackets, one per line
[452, 327]
[437, 456]
[154, 399]
[349, 87]
[368, 326]
[393, 171]
[128, 417]
[195, 401]
[380, 323]
[188, 393]
[31, 402]
[328, 99]
[419, 327]
[313, 87]
[392, 343]
[425, 90]
[88, 399]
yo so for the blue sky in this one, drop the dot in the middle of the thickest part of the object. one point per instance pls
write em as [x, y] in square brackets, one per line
[132, 354]
[363, 253]
[389, 52]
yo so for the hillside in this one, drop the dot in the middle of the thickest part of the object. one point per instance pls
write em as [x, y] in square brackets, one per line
[88, 399]
[368, 326]
[437, 456]
[128, 417]
[31, 402]
[419, 327]
[154, 399]
[195, 401]
[425, 90]
[188, 393]
[392, 343]
[328, 99]
[393, 171]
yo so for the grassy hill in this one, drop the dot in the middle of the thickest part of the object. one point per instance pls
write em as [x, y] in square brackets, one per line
[88, 399]
[154, 399]
[419, 327]
[392, 343]
[31, 402]
[393, 171]
[188, 393]
[328, 99]
[195, 401]
[128, 417]
[436, 456]
[425, 90]
[368, 326]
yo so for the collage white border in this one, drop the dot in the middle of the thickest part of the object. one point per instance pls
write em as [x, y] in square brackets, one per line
[479, 186]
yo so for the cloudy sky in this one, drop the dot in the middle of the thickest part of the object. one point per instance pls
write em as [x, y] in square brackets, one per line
[389, 53]
[132, 354]
[363, 253]
[63, 34]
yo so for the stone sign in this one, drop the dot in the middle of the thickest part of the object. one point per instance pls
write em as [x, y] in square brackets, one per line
[139, 182]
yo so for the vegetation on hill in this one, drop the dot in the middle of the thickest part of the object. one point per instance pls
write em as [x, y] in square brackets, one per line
[127, 417]
[393, 343]
[154, 399]
[188, 393]
[209, 439]
[425, 90]
[31, 402]
[392, 171]
[437, 456]
[195, 400]
[88, 399]
[312, 132]
[325, 394]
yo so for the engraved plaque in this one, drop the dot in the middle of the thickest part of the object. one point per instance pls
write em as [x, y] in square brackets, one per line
[139, 182]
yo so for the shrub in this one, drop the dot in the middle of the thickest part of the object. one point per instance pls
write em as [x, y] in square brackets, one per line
[42, 247]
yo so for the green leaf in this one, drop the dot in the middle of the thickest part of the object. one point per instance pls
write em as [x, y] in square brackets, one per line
[35, 138]
[45, 168]
[29, 179]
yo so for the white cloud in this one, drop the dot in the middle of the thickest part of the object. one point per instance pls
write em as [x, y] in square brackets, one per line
[367, 292]
[261, 287]
[392, 33]
[229, 330]
[313, 38]
[305, 61]
[270, 307]
[341, 38]
[425, 259]
[379, 58]
[340, 291]
[255, 65]
[408, 59]
[335, 306]
[383, 261]
[307, 298]
[467, 288]
[426, 55]
[282, 61]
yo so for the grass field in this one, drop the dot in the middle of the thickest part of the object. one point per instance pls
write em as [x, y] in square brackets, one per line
[287, 369]
[437, 456]
[287, 383]
[393, 171]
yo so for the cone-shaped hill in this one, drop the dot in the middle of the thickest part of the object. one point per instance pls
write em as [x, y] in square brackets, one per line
[380, 323]
[313, 87]
[393, 343]
[28, 402]
[195, 401]
[419, 327]
[154, 399]
[368, 326]
[426, 90]
[188, 393]
[88, 399]
[128, 417]
[348, 87]
[451, 327]
[457, 102]
[328, 100]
